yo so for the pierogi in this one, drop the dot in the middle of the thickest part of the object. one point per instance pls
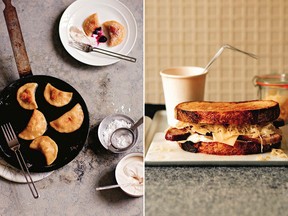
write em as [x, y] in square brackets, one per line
[115, 31]
[57, 97]
[47, 146]
[69, 121]
[26, 96]
[36, 126]
[90, 24]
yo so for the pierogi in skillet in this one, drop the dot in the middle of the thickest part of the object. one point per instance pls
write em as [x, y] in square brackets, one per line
[56, 97]
[26, 96]
[47, 146]
[69, 121]
[36, 126]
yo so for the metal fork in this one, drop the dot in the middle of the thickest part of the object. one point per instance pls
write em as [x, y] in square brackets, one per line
[14, 145]
[88, 48]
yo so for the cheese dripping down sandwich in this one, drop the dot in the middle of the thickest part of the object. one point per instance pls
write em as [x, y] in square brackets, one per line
[227, 128]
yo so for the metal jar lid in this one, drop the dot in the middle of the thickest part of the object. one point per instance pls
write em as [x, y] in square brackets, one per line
[271, 80]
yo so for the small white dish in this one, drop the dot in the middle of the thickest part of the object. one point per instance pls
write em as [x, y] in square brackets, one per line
[104, 131]
[130, 165]
[79, 10]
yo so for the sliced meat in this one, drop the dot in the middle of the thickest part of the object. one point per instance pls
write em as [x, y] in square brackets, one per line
[175, 134]
[274, 138]
[279, 123]
[216, 148]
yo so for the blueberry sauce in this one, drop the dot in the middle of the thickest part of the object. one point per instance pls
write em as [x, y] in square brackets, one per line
[99, 36]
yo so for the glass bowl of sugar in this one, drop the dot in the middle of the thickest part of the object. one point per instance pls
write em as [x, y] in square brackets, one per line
[111, 123]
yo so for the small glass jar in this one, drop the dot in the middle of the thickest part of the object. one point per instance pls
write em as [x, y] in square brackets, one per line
[274, 87]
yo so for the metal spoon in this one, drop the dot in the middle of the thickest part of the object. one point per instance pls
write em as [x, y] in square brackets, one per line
[220, 52]
[118, 185]
[124, 135]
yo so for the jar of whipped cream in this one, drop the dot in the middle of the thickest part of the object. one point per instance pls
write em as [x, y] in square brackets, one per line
[274, 87]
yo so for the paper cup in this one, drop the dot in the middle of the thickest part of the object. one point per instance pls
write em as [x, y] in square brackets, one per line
[182, 84]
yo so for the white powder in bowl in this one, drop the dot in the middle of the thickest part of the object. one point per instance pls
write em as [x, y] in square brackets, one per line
[111, 127]
[123, 140]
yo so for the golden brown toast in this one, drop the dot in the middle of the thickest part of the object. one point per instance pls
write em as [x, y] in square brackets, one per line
[236, 113]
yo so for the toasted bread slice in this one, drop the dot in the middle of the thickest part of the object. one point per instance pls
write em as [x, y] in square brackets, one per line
[239, 148]
[236, 113]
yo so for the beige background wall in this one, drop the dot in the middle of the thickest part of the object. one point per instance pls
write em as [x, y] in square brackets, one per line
[189, 32]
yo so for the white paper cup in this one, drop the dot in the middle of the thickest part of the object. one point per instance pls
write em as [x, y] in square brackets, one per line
[182, 84]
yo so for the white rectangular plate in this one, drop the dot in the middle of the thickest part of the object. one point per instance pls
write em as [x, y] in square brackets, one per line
[163, 152]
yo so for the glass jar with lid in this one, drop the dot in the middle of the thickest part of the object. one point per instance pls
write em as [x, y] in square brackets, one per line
[274, 87]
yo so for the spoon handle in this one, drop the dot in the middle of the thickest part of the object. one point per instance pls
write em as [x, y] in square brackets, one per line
[118, 185]
[107, 187]
[137, 124]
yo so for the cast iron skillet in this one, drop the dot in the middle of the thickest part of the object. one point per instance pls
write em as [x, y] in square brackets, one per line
[69, 144]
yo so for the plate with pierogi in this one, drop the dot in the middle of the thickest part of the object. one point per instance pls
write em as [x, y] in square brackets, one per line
[105, 24]
[50, 119]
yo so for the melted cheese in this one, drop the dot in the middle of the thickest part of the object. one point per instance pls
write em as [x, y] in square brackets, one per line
[195, 138]
[225, 138]
[261, 158]
[229, 134]
[279, 153]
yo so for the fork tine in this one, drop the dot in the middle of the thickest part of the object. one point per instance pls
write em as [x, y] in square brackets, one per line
[6, 134]
[9, 131]
[77, 45]
[12, 131]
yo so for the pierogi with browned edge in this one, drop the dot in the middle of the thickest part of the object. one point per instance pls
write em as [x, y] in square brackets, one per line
[56, 97]
[36, 126]
[69, 121]
[115, 31]
[90, 24]
[47, 147]
[26, 96]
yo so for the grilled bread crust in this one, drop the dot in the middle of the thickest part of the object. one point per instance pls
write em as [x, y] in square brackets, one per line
[239, 148]
[236, 113]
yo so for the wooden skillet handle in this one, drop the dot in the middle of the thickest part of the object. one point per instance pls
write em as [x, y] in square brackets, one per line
[17, 41]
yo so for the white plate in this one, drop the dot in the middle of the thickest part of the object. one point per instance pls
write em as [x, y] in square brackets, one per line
[12, 174]
[163, 152]
[79, 10]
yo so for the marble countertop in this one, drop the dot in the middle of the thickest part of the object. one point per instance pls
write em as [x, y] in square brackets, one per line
[216, 191]
[116, 88]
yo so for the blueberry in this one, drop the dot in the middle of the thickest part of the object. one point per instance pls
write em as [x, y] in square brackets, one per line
[102, 39]
[97, 30]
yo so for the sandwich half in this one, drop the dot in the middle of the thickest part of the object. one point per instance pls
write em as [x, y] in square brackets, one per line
[227, 128]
